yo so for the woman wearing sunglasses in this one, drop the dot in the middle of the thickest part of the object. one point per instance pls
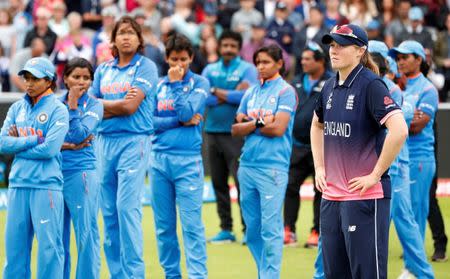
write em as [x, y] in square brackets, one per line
[265, 117]
[352, 153]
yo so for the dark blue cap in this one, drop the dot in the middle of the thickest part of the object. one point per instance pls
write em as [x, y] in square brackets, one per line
[345, 35]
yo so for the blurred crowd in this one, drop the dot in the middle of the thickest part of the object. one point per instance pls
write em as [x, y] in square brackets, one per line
[66, 29]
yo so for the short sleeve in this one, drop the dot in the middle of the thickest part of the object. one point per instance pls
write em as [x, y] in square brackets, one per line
[243, 105]
[318, 109]
[94, 90]
[379, 102]
[428, 101]
[146, 77]
[287, 101]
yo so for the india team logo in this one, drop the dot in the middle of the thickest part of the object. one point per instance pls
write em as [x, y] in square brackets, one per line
[42, 118]
[272, 100]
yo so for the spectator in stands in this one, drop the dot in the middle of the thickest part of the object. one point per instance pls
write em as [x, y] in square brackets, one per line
[388, 13]
[313, 31]
[22, 21]
[295, 18]
[259, 40]
[415, 30]
[75, 44]
[41, 30]
[442, 57]
[333, 16]
[303, 9]
[36, 49]
[59, 23]
[4, 72]
[244, 18]
[396, 27]
[280, 29]
[210, 22]
[154, 49]
[374, 30]
[226, 9]
[208, 49]
[152, 15]
[183, 21]
[359, 12]
[100, 42]
[8, 33]
[91, 12]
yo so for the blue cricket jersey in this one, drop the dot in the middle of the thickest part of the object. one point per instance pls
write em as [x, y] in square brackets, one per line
[82, 123]
[177, 102]
[36, 165]
[353, 115]
[271, 97]
[408, 112]
[220, 117]
[421, 146]
[112, 82]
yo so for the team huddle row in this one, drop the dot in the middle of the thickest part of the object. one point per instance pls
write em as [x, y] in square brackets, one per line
[61, 173]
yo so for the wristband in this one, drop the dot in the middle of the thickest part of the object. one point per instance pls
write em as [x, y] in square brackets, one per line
[212, 90]
[260, 123]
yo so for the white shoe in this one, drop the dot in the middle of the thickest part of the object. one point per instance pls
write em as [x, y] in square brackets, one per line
[406, 275]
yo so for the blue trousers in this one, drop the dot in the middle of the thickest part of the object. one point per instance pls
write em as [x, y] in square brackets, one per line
[318, 264]
[178, 180]
[355, 237]
[406, 226]
[33, 211]
[80, 193]
[123, 162]
[262, 196]
[421, 175]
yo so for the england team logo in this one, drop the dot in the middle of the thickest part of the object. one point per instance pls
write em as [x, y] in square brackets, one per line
[42, 118]
[350, 102]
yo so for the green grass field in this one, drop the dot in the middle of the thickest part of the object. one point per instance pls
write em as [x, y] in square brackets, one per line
[234, 260]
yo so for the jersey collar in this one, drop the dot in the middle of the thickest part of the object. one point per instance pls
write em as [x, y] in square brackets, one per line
[351, 77]
[234, 62]
[270, 80]
[133, 61]
[38, 99]
[81, 100]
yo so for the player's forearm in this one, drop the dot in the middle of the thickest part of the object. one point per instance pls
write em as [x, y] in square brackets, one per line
[393, 143]
[118, 107]
[317, 145]
[12, 145]
[243, 129]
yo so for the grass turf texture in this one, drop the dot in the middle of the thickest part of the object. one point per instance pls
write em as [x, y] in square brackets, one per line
[235, 260]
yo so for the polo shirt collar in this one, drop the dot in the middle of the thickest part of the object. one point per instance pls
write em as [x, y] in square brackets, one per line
[351, 77]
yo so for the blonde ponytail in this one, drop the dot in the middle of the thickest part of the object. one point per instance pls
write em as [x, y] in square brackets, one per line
[368, 62]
